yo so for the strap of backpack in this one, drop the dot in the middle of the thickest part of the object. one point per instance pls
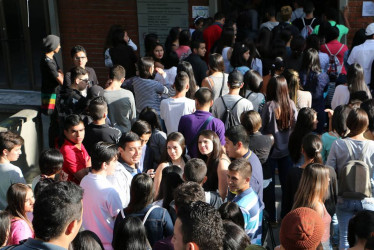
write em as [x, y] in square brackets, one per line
[149, 212]
[249, 95]
[364, 149]
[223, 82]
[312, 21]
[236, 103]
[302, 19]
[349, 149]
[224, 104]
[339, 49]
[327, 48]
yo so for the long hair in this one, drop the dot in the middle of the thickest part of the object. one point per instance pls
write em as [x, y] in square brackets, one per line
[171, 179]
[130, 234]
[312, 147]
[4, 227]
[177, 137]
[310, 62]
[212, 160]
[356, 80]
[293, 82]
[237, 59]
[187, 67]
[226, 40]
[312, 187]
[277, 91]
[141, 193]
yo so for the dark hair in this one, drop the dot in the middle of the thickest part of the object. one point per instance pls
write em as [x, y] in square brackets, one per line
[16, 198]
[285, 35]
[251, 121]
[235, 237]
[170, 60]
[231, 211]
[331, 14]
[357, 122]
[216, 63]
[97, 108]
[361, 226]
[252, 81]
[237, 58]
[278, 48]
[87, 240]
[141, 127]
[195, 44]
[127, 137]
[77, 72]
[339, 120]
[368, 106]
[8, 140]
[264, 43]
[313, 42]
[219, 16]
[312, 146]
[76, 49]
[4, 227]
[62, 202]
[71, 121]
[242, 166]
[332, 34]
[140, 184]
[277, 91]
[50, 161]
[109, 37]
[308, 7]
[226, 40]
[130, 234]
[103, 152]
[188, 192]
[356, 80]
[303, 126]
[184, 37]
[181, 81]
[144, 65]
[150, 115]
[149, 40]
[173, 36]
[39, 187]
[195, 170]
[201, 224]
[297, 46]
[310, 62]
[154, 45]
[253, 52]
[204, 95]
[171, 179]
[117, 72]
[187, 67]
[278, 65]
[177, 137]
[238, 134]
[118, 37]
[358, 39]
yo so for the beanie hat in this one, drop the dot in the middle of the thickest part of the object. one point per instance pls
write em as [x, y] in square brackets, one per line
[50, 43]
[301, 228]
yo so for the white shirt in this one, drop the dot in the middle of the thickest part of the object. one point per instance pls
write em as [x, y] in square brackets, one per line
[341, 96]
[364, 55]
[121, 180]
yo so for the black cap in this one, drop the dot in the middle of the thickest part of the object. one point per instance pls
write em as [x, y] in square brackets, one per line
[235, 79]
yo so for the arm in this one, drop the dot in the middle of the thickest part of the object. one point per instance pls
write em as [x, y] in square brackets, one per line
[222, 169]
[108, 60]
[60, 77]
[168, 224]
[132, 45]
[158, 178]
[331, 159]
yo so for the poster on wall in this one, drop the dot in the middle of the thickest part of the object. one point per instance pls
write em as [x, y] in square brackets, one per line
[155, 16]
[202, 11]
[368, 8]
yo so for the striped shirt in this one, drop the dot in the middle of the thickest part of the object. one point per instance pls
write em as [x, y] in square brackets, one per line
[252, 210]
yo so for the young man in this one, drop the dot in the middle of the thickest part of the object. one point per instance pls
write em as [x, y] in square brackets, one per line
[98, 130]
[237, 147]
[173, 108]
[130, 152]
[10, 150]
[309, 18]
[191, 125]
[199, 66]
[121, 102]
[57, 217]
[239, 176]
[232, 100]
[198, 226]
[213, 32]
[76, 159]
[101, 201]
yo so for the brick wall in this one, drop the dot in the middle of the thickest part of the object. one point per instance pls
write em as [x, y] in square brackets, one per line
[356, 20]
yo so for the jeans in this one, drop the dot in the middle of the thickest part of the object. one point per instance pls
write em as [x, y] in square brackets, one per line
[345, 210]
[334, 229]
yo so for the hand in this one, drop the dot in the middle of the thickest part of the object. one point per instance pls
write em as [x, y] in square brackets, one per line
[151, 173]
[329, 112]
[160, 71]
[345, 10]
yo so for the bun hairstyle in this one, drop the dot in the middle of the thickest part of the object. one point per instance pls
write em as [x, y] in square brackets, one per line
[312, 146]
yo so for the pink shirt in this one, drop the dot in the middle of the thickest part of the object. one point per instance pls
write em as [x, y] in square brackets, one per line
[334, 46]
[19, 230]
[183, 52]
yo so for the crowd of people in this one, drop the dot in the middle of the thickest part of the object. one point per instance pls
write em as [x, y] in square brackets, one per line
[179, 148]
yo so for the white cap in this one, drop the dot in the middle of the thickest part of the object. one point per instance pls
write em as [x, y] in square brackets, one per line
[369, 30]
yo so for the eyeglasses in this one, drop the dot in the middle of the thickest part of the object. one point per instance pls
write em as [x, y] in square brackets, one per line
[85, 80]
[77, 58]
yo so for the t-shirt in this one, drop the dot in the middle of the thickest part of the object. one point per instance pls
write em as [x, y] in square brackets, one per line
[334, 46]
[299, 23]
[121, 181]
[342, 29]
[261, 145]
[257, 178]
[183, 52]
[341, 96]
[172, 109]
[9, 174]
[327, 140]
[19, 230]
[95, 133]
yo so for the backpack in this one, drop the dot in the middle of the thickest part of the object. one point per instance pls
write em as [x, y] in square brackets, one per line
[354, 177]
[307, 30]
[228, 117]
[335, 68]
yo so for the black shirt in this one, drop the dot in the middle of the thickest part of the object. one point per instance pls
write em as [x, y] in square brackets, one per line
[261, 145]
[49, 70]
[96, 133]
[199, 67]
[299, 23]
[70, 101]
[124, 55]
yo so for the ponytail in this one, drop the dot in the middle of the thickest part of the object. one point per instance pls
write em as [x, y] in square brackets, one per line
[312, 146]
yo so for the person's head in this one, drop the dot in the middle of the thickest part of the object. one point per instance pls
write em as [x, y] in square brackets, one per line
[181, 82]
[198, 226]
[204, 97]
[187, 67]
[286, 12]
[237, 141]
[252, 81]
[50, 162]
[10, 145]
[227, 39]
[219, 17]
[79, 56]
[231, 211]
[311, 147]
[130, 148]
[199, 22]
[332, 34]
[278, 66]
[104, 157]
[359, 38]
[301, 228]
[188, 192]
[357, 122]
[118, 37]
[297, 46]
[150, 115]
[293, 82]
[331, 14]
[251, 121]
[87, 240]
[209, 144]
[360, 227]
[140, 184]
[51, 43]
[117, 73]
[240, 55]
[198, 48]
[235, 236]
[98, 108]
[143, 130]
[74, 129]
[270, 12]
[306, 120]
[170, 60]
[79, 78]
[39, 187]
[310, 62]
[5, 218]
[157, 52]
[368, 106]
[149, 40]
[175, 147]
[172, 177]
[313, 186]
[62, 202]
[355, 78]
[130, 234]
[184, 38]
[235, 80]
[308, 7]
[339, 120]
[239, 175]
[216, 63]
[146, 67]
[20, 200]
[195, 170]
[313, 42]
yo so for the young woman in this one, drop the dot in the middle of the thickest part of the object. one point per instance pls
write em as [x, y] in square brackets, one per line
[217, 79]
[312, 42]
[316, 82]
[186, 67]
[158, 223]
[298, 96]
[211, 151]
[251, 89]
[231, 211]
[356, 83]
[4, 227]
[87, 240]
[130, 234]
[183, 51]
[239, 58]
[158, 55]
[174, 154]
[224, 46]
[254, 61]
[20, 202]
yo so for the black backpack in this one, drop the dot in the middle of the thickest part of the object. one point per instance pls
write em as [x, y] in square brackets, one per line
[228, 117]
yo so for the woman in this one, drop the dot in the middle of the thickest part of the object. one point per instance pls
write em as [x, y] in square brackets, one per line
[355, 146]
[4, 227]
[172, 42]
[217, 79]
[312, 42]
[158, 55]
[251, 89]
[298, 96]
[254, 61]
[20, 202]
[156, 220]
[239, 58]
[211, 151]
[183, 51]
[356, 83]
[316, 82]
[130, 234]
[174, 154]
[187, 67]
[224, 46]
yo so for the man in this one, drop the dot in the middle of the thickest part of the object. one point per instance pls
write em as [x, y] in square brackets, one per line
[239, 176]
[173, 108]
[130, 152]
[237, 147]
[232, 101]
[57, 217]
[98, 130]
[76, 159]
[285, 23]
[213, 32]
[198, 226]
[309, 18]
[191, 125]
[364, 54]
[101, 201]
[121, 102]
[199, 67]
